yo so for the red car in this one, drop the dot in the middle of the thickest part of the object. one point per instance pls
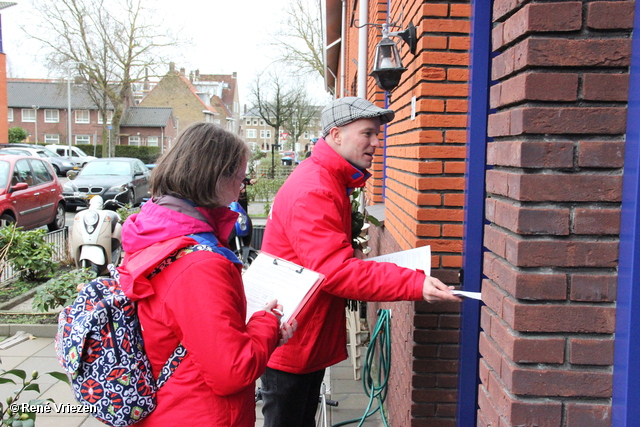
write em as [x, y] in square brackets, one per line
[30, 193]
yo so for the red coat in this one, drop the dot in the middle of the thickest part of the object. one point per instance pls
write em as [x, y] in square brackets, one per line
[197, 300]
[310, 225]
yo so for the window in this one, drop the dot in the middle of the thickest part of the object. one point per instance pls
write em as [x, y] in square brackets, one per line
[28, 115]
[83, 139]
[134, 140]
[51, 116]
[261, 122]
[306, 135]
[255, 122]
[251, 133]
[152, 141]
[10, 114]
[265, 133]
[247, 122]
[41, 172]
[109, 117]
[22, 173]
[52, 139]
[82, 116]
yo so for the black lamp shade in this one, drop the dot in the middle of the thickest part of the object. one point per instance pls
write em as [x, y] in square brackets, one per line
[388, 68]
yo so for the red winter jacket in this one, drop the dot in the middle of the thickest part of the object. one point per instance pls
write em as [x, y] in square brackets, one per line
[310, 225]
[198, 300]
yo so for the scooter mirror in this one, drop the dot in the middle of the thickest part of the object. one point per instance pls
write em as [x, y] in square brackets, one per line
[72, 175]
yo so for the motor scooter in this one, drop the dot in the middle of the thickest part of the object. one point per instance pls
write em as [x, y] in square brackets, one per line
[240, 237]
[96, 236]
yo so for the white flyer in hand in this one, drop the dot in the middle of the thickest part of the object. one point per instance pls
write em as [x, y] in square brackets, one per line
[415, 259]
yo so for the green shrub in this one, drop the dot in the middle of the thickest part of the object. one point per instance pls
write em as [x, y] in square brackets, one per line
[264, 189]
[61, 290]
[13, 414]
[29, 253]
[146, 154]
[17, 135]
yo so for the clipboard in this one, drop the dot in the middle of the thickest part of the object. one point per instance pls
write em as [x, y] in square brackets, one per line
[269, 278]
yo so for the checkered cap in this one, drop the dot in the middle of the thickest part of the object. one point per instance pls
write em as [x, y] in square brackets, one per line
[345, 110]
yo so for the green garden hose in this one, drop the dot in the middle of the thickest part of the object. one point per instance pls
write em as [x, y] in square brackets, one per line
[376, 388]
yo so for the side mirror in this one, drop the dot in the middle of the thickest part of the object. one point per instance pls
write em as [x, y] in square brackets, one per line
[19, 187]
[72, 175]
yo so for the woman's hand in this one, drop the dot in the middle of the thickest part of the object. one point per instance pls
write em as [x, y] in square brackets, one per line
[286, 329]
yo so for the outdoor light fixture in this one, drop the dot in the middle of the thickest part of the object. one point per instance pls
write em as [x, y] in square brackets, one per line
[388, 68]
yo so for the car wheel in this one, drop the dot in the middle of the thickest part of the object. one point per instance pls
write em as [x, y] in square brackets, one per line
[56, 170]
[58, 221]
[6, 219]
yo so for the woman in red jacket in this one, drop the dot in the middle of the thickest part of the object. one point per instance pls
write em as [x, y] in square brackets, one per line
[198, 300]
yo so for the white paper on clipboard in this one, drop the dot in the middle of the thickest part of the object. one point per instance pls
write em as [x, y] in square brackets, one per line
[269, 278]
[415, 259]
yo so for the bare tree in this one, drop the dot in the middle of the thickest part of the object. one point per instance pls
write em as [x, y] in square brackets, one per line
[275, 96]
[300, 38]
[301, 117]
[109, 44]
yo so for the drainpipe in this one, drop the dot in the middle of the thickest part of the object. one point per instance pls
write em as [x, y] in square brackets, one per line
[343, 37]
[363, 39]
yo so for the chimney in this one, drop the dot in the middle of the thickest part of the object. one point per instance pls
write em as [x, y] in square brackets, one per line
[172, 67]
[234, 75]
[182, 71]
[197, 75]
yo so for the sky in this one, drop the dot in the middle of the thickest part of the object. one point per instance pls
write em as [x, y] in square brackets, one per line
[226, 35]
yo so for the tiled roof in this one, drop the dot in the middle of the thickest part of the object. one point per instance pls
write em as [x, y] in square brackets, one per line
[146, 117]
[27, 93]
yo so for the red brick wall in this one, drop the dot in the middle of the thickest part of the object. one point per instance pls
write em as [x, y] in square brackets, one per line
[4, 124]
[553, 203]
[423, 201]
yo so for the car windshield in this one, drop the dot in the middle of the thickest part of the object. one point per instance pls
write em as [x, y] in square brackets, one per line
[109, 167]
[49, 153]
[5, 167]
[82, 153]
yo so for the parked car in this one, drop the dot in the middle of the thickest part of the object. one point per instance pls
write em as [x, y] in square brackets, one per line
[108, 177]
[60, 164]
[74, 153]
[30, 193]
[289, 158]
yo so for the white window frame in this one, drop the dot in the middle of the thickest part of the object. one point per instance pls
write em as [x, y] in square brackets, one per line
[261, 122]
[82, 116]
[109, 117]
[28, 115]
[82, 139]
[10, 114]
[153, 141]
[134, 140]
[51, 139]
[255, 122]
[251, 133]
[247, 122]
[51, 116]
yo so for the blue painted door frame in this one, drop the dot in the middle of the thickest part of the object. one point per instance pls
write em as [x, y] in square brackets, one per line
[626, 369]
[479, 84]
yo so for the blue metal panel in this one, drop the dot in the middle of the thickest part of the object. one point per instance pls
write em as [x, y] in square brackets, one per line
[626, 370]
[474, 208]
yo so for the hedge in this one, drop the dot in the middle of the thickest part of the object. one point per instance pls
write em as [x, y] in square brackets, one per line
[146, 154]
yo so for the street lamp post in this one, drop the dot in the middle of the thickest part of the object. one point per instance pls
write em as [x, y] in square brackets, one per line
[35, 108]
[69, 113]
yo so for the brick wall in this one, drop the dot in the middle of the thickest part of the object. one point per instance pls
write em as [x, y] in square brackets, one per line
[424, 202]
[553, 206]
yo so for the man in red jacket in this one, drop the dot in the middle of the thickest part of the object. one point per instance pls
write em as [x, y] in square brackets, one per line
[310, 225]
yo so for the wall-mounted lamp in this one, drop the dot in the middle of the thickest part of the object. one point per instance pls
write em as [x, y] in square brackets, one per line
[388, 68]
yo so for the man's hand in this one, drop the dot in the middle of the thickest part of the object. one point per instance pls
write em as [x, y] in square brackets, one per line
[434, 290]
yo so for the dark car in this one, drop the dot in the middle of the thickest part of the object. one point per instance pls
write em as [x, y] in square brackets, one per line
[123, 176]
[61, 165]
[30, 193]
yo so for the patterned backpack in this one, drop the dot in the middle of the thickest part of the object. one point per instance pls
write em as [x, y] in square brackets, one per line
[99, 345]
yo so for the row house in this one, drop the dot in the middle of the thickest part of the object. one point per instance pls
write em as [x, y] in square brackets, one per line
[197, 101]
[514, 155]
[42, 108]
[258, 134]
